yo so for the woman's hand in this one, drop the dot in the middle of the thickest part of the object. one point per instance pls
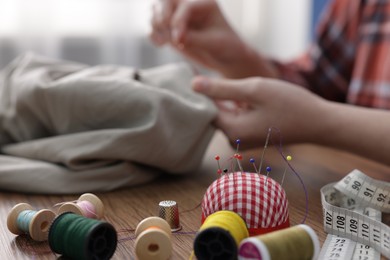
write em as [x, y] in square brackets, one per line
[199, 30]
[259, 103]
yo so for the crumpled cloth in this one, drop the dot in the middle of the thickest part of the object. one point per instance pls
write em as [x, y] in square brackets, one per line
[69, 128]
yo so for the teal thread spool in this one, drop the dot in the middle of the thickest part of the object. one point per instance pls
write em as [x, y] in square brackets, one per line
[77, 237]
[22, 219]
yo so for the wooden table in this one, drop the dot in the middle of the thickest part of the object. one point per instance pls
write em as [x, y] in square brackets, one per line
[125, 208]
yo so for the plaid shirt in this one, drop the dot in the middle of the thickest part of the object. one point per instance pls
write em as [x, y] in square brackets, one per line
[350, 61]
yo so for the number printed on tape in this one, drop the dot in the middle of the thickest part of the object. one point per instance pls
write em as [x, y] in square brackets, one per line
[339, 222]
[338, 248]
[381, 197]
[352, 225]
[368, 191]
[364, 252]
[364, 231]
[328, 220]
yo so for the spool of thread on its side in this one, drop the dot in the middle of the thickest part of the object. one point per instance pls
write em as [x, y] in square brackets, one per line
[153, 240]
[22, 219]
[220, 236]
[77, 237]
[295, 243]
[87, 205]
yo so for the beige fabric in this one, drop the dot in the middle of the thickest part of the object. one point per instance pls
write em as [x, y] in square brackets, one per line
[70, 128]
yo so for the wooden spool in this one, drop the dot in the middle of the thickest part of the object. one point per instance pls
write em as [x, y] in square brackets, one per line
[76, 209]
[153, 239]
[39, 225]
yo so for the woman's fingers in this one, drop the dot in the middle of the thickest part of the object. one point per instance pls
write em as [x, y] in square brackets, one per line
[162, 13]
[188, 16]
[225, 89]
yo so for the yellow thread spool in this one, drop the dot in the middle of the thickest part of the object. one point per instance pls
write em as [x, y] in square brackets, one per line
[295, 243]
[220, 236]
[38, 226]
[153, 239]
[95, 202]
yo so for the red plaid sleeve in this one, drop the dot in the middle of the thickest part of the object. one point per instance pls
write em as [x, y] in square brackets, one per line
[326, 68]
[350, 60]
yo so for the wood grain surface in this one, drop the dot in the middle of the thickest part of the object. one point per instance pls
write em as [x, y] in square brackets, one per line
[125, 208]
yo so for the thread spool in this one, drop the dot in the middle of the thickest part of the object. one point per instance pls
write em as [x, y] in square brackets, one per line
[78, 237]
[88, 205]
[153, 240]
[265, 208]
[295, 243]
[22, 219]
[220, 236]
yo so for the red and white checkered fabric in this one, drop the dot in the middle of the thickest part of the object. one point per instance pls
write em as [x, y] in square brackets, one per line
[259, 200]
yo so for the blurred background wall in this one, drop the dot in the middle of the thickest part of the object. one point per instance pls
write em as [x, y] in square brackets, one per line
[116, 31]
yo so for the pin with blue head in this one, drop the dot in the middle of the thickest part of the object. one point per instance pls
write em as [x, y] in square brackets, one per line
[268, 170]
[253, 162]
[238, 156]
[288, 158]
[238, 141]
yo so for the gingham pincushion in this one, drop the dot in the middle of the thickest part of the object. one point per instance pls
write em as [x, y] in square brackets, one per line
[259, 200]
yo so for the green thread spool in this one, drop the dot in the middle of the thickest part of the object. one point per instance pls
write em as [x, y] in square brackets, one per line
[77, 237]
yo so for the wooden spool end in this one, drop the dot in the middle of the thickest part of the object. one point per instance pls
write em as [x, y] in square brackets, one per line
[40, 224]
[96, 202]
[13, 216]
[153, 239]
[70, 207]
[76, 209]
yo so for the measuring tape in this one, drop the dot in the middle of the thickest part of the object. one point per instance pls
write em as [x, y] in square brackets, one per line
[352, 216]
[336, 247]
